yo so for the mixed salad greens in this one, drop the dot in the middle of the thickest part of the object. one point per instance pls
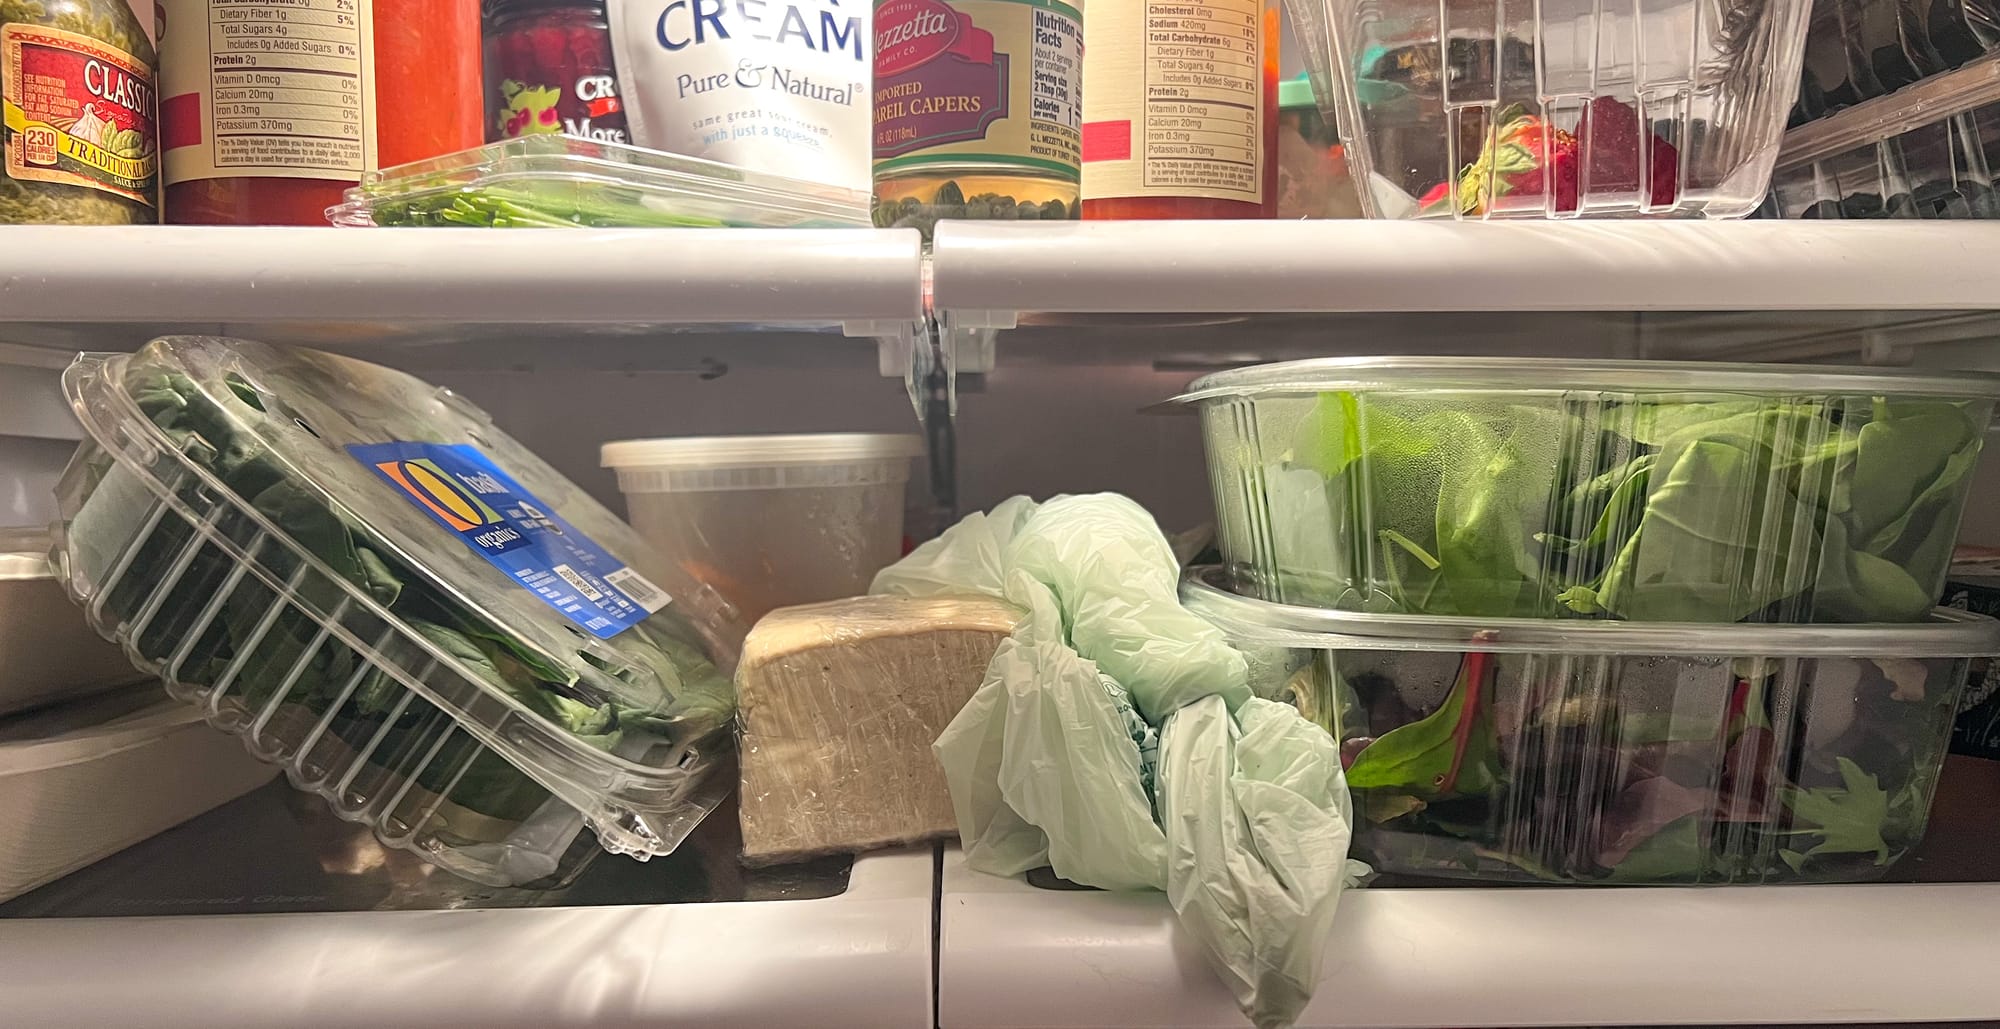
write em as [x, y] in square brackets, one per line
[258, 644]
[1711, 510]
[1641, 769]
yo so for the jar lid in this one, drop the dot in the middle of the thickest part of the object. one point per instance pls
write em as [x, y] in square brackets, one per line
[1295, 93]
[497, 9]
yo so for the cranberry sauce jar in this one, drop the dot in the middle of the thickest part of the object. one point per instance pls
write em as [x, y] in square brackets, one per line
[548, 69]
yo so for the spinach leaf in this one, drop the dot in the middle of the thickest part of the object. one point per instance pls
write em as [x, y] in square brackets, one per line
[1690, 559]
[1490, 498]
[1900, 456]
[1856, 586]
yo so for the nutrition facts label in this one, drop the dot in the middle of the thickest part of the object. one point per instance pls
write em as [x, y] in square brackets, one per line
[285, 88]
[1180, 113]
[1202, 72]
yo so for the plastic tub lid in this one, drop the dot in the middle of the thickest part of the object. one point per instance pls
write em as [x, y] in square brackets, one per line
[1296, 93]
[1557, 375]
[1949, 633]
[825, 448]
[90, 728]
[24, 554]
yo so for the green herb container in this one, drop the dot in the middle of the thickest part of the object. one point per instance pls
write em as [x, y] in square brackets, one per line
[1530, 750]
[560, 182]
[1643, 491]
[220, 524]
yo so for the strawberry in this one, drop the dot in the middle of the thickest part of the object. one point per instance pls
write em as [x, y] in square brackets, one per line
[1610, 140]
[1514, 158]
[1606, 143]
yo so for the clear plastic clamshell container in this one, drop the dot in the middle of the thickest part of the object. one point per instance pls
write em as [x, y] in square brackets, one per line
[551, 181]
[1648, 491]
[1556, 109]
[1926, 152]
[1592, 752]
[311, 549]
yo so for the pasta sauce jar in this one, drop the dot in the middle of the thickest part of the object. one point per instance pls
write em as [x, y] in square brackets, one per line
[270, 109]
[549, 69]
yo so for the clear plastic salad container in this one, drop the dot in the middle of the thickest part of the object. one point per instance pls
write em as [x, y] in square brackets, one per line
[1926, 152]
[550, 181]
[1647, 491]
[1594, 752]
[1509, 109]
[374, 587]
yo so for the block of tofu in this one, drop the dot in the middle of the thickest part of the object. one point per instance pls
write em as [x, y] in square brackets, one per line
[838, 705]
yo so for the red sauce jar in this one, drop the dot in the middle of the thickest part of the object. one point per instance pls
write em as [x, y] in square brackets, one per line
[549, 69]
[257, 135]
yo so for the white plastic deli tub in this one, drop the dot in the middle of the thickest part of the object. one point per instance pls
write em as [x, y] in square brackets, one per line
[48, 653]
[770, 521]
[93, 776]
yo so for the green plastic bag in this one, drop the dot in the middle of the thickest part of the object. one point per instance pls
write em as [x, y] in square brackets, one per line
[1258, 823]
[1237, 808]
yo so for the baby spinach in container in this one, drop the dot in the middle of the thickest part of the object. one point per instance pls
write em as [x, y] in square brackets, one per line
[375, 587]
[1646, 491]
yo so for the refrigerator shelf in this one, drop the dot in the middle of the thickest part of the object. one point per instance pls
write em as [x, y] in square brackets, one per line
[113, 288]
[989, 275]
[323, 926]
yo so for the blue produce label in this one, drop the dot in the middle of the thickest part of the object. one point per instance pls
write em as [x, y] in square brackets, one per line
[466, 493]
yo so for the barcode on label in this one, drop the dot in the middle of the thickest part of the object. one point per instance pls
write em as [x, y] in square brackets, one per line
[579, 583]
[642, 592]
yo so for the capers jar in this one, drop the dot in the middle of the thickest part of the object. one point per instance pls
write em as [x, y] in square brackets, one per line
[977, 111]
[80, 144]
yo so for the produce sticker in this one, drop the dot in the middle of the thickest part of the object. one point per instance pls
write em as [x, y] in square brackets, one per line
[463, 491]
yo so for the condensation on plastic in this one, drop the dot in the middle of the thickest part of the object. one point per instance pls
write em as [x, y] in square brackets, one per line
[130, 494]
[554, 173]
[838, 704]
[1292, 534]
[1419, 87]
[1597, 728]
[1926, 152]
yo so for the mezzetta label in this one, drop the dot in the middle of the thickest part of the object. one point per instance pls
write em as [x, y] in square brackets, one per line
[77, 112]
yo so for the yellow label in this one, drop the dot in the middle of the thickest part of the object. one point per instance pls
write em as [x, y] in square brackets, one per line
[77, 111]
[1173, 100]
[268, 89]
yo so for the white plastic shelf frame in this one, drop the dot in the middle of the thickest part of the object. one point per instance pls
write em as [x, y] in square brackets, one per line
[861, 959]
[1018, 956]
